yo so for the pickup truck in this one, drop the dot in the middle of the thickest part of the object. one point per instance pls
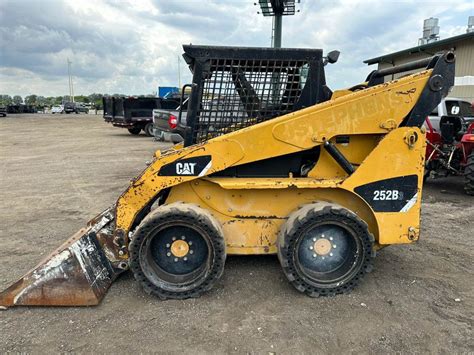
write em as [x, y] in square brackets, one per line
[452, 106]
[135, 113]
[166, 124]
[170, 125]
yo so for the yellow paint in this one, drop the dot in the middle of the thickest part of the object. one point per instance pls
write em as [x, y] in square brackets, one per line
[251, 211]
[394, 157]
[252, 214]
[339, 93]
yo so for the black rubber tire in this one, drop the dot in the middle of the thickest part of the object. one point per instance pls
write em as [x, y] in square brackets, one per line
[180, 214]
[148, 129]
[134, 130]
[469, 175]
[295, 227]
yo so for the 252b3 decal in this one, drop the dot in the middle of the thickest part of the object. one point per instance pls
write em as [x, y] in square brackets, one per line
[382, 195]
[396, 194]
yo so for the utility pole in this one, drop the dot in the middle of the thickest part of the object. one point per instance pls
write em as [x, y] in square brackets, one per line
[277, 25]
[277, 9]
[71, 85]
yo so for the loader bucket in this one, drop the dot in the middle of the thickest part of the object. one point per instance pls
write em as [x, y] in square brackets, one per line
[78, 273]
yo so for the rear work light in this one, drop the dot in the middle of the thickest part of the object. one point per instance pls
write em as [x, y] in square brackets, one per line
[173, 121]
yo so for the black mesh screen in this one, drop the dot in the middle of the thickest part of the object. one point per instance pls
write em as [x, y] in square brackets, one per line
[238, 93]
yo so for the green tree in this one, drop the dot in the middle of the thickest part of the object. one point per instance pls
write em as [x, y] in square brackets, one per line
[82, 98]
[5, 100]
[96, 100]
[41, 101]
[31, 99]
[50, 101]
[17, 100]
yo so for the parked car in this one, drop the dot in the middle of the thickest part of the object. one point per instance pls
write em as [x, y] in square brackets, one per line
[452, 106]
[81, 107]
[76, 107]
[57, 109]
[135, 113]
[3, 111]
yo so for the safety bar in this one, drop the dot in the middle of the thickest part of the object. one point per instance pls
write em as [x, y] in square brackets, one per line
[417, 64]
[376, 77]
[183, 89]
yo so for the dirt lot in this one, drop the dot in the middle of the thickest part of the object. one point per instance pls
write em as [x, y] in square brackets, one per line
[59, 171]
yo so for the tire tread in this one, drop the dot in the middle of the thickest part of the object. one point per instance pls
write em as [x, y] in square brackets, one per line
[186, 211]
[296, 221]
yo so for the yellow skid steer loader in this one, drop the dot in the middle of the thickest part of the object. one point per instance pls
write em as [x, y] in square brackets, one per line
[273, 162]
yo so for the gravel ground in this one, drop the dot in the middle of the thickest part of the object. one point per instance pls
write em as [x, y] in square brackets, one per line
[59, 171]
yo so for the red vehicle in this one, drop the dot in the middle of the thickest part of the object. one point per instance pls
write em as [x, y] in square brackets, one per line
[450, 151]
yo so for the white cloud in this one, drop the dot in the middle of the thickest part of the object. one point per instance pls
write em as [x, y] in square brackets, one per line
[131, 47]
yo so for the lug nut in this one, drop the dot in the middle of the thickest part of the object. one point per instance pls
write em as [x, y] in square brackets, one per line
[314, 255]
[330, 254]
[331, 238]
[168, 254]
[185, 259]
[314, 239]
[190, 243]
[334, 246]
[191, 252]
[183, 237]
[173, 239]
[167, 245]
[311, 248]
[175, 260]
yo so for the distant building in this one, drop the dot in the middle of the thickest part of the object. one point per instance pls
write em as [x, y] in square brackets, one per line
[462, 45]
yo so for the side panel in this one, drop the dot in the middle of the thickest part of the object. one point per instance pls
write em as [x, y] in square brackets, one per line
[385, 191]
[390, 180]
[252, 216]
[367, 112]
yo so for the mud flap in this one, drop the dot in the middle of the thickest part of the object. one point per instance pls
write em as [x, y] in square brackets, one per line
[78, 273]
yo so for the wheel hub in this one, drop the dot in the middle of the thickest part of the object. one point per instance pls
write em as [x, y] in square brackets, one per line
[325, 249]
[322, 246]
[179, 248]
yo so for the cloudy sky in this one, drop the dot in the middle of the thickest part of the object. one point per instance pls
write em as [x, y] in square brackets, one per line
[131, 47]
